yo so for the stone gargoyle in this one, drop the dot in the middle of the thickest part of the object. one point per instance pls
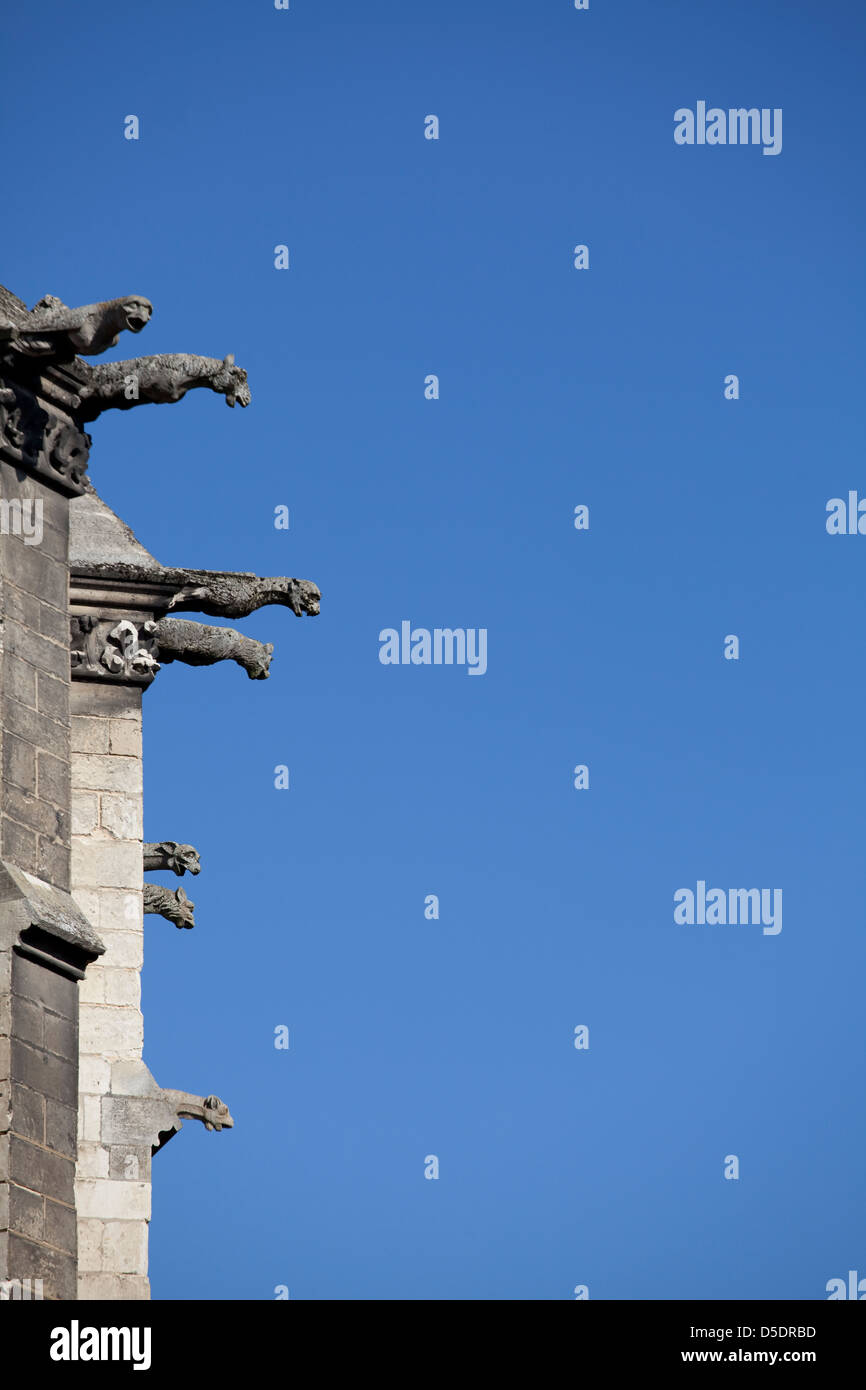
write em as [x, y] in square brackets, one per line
[200, 644]
[156, 380]
[212, 1112]
[168, 854]
[235, 595]
[173, 906]
[53, 330]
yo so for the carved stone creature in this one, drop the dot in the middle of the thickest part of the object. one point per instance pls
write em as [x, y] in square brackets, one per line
[174, 907]
[167, 377]
[199, 644]
[212, 1112]
[52, 329]
[168, 854]
[224, 595]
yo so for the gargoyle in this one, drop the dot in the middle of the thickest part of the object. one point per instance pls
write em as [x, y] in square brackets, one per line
[174, 907]
[225, 595]
[168, 854]
[212, 1112]
[52, 329]
[199, 644]
[167, 377]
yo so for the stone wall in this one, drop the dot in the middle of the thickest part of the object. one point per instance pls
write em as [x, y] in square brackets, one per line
[45, 943]
[113, 1182]
[34, 691]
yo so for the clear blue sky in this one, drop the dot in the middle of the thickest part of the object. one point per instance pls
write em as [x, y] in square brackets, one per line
[455, 1037]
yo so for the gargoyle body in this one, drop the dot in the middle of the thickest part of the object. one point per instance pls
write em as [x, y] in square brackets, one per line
[173, 906]
[224, 595]
[53, 330]
[200, 644]
[166, 377]
[168, 854]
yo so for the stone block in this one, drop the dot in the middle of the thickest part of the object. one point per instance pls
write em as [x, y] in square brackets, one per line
[92, 988]
[113, 1201]
[94, 1074]
[89, 1246]
[52, 698]
[123, 987]
[124, 1247]
[19, 680]
[89, 735]
[19, 845]
[52, 863]
[52, 778]
[107, 773]
[26, 642]
[27, 809]
[26, 1212]
[36, 982]
[61, 1128]
[92, 1162]
[113, 1287]
[108, 863]
[126, 737]
[54, 1268]
[111, 1032]
[29, 1022]
[123, 949]
[28, 1113]
[19, 762]
[53, 623]
[121, 816]
[90, 1119]
[60, 1226]
[41, 1171]
[44, 1073]
[88, 900]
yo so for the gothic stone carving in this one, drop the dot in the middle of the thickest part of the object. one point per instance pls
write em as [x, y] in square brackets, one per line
[226, 595]
[212, 1112]
[174, 907]
[41, 440]
[108, 649]
[54, 331]
[199, 644]
[168, 854]
[167, 377]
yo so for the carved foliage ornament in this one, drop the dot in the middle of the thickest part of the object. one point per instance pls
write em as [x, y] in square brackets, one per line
[41, 440]
[107, 649]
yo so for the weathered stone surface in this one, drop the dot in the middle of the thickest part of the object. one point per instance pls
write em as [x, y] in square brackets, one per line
[158, 380]
[226, 595]
[54, 331]
[199, 644]
[47, 442]
[108, 648]
[212, 1112]
[26, 902]
[174, 906]
[168, 854]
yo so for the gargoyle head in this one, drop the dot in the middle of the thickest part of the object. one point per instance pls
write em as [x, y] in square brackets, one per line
[304, 597]
[257, 665]
[231, 382]
[137, 312]
[216, 1114]
[181, 858]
